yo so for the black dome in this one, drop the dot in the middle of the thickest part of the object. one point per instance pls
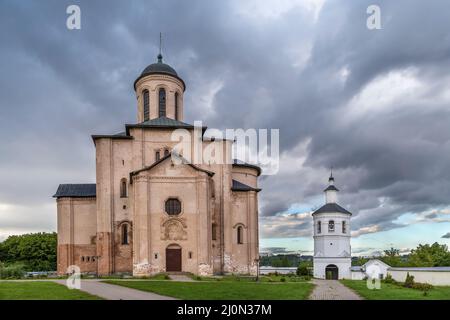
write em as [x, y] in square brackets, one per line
[159, 68]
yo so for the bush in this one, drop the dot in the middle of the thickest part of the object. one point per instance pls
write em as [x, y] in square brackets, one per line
[409, 281]
[304, 269]
[283, 279]
[425, 287]
[12, 271]
[389, 279]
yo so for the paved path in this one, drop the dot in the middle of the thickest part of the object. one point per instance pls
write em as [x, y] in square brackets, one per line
[115, 292]
[332, 290]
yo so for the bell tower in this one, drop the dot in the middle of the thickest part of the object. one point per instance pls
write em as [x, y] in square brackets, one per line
[332, 250]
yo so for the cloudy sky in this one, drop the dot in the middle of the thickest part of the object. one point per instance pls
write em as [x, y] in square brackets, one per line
[374, 104]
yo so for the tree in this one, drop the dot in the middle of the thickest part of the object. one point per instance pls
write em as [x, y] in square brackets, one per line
[392, 257]
[304, 268]
[435, 255]
[36, 251]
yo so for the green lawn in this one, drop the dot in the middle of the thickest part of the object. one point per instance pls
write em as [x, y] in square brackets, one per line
[396, 292]
[222, 290]
[40, 290]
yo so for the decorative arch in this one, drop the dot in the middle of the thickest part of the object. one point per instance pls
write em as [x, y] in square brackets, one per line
[331, 272]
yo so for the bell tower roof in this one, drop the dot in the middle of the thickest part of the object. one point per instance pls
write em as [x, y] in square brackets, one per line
[159, 68]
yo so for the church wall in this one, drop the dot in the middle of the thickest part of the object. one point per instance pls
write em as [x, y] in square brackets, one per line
[241, 258]
[105, 205]
[156, 230]
[76, 234]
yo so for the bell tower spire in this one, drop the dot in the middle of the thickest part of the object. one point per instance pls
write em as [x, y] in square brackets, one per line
[331, 191]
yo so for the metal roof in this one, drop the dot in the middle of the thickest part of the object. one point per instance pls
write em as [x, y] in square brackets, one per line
[331, 208]
[331, 187]
[161, 122]
[239, 186]
[82, 190]
[434, 269]
[239, 163]
[159, 68]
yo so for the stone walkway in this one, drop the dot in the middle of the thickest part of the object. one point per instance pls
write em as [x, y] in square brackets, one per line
[114, 292]
[332, 290]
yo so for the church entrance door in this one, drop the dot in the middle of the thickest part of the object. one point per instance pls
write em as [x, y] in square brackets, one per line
[173, 258]
[331, 272]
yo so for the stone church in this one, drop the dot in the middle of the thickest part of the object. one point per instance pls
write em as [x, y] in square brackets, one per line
[147, 214]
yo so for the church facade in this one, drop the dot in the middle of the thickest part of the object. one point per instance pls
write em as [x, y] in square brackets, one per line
[332, 250]
[147, 213]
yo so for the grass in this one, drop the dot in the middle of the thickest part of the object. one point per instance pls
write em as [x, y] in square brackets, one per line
[222, 290]
[40, 290]
[263, 278]
[396, 292]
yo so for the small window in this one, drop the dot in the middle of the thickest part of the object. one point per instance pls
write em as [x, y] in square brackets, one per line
[239, 232]
[162, 102]
[125, 234]
[190, 255]
[157, 156]
[82, 259]
[123, 188]
[173, 206]
[166, 152]
[344, 227]
[93, 259]
[331, 226]
[156, 256]
[214, 231]
[146, 105]
[319, 227]
[88, 259]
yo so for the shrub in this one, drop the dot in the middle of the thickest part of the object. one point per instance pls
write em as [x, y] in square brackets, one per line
[12, 271]
[389, 279]
[425, 287]
[303, 269]
[409, 281]
[283, 279]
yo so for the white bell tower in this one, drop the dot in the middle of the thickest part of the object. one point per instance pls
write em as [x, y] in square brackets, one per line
[332, 251]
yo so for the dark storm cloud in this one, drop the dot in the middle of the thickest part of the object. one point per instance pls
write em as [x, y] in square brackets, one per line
[291, 71]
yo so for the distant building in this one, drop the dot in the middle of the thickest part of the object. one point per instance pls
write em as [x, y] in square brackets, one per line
[332, 251]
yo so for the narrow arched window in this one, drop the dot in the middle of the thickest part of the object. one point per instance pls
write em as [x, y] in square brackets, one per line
[319, 227]
[239, 232]
[331, 226]
[176, 106]
[146, 105]
[162, 102]
[125, 234]
[214, 231]
[157, 156]
[166, 152]
[344, 227]
[123, 188]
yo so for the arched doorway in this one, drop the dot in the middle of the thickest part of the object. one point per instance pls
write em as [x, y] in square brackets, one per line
[173, 258]
[331, 272]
